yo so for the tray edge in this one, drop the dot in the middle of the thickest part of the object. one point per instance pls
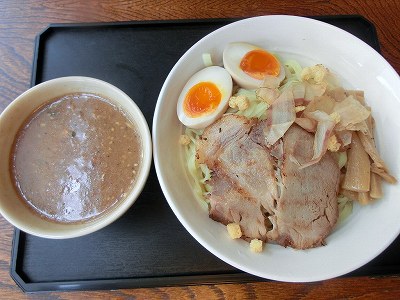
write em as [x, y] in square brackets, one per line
[242, 277]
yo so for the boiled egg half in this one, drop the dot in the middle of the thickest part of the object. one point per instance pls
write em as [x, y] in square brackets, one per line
[249, 65]
[205, 97]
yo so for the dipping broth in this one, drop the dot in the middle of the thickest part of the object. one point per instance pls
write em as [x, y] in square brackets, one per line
[75, 157]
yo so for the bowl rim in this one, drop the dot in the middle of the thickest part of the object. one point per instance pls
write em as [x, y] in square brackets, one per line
[165, 188]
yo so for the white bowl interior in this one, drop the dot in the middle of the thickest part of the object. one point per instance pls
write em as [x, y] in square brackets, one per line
[369, 230]
[11, 207]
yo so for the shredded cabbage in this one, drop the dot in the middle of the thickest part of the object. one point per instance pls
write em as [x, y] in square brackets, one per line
[345, 207]
[293, 74]
[200, 173]
[294, 70]
[256, 109]
[207, 60]
[342, 158]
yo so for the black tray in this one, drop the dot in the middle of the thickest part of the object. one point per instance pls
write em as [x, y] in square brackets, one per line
[147, 247]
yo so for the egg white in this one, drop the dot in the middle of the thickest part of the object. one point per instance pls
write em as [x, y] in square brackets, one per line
[233, 55]
[222, 79]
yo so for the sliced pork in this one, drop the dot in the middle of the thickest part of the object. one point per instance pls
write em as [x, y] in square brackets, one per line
[243, 177]
[262, 187]
[307, 208]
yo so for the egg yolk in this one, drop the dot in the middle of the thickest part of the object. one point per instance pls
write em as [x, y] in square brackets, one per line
[202, 98]
[259, 63]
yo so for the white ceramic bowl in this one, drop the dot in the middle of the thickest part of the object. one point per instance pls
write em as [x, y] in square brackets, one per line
[11, 207]
[369, 230]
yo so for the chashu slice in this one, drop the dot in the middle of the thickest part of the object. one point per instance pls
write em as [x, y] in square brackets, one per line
[228, 204]
[243, 177]
[307, 208]
[299, 211]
